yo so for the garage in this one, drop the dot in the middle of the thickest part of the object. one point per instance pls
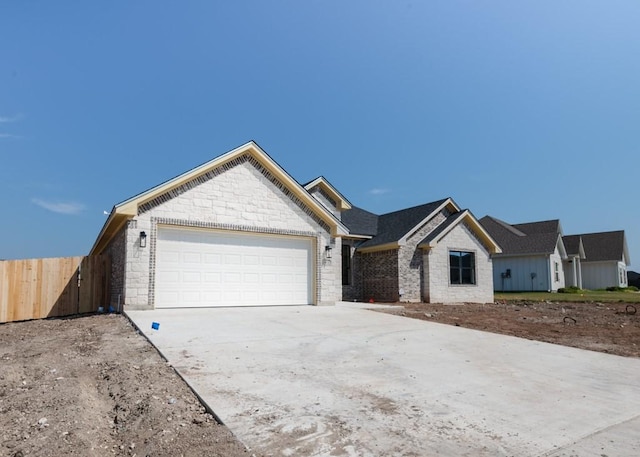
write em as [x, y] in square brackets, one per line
[204, 268]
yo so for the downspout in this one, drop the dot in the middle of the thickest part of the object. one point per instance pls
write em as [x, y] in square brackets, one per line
[549, 278]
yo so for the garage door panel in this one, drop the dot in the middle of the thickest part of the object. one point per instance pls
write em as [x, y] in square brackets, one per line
[192, 277]
[212, 259]
[217, 268]
[251, 278]
[192, 257]
[251, 260]
[268, 260]
[212, 278]
[168, 276]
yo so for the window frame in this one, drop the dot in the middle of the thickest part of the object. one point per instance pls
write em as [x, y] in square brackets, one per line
[461, 269]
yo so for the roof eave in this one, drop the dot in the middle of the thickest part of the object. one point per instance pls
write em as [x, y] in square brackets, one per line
[353, 236]
[561, 248]
[111, 227]
[380, 247]
[321, 181]
[479, 230]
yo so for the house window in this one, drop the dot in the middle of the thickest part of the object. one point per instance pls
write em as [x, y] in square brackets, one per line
[346, 265]
[556, 269]
[622, 277]
[462, 267]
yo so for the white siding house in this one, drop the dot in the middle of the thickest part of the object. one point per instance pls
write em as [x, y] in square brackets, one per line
[532, 258]
[600, 259]
[524, 273]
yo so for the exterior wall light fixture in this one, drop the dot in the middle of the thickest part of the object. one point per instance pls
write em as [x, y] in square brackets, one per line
[327, 251]
[143, 240]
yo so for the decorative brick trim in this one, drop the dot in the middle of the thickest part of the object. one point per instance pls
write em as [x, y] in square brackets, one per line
[153, 238]
[221, 169]
[327, 196]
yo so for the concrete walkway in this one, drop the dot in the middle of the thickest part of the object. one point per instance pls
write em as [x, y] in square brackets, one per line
[341, 381]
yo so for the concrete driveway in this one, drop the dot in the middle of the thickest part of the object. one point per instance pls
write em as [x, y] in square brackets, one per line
[341, 381]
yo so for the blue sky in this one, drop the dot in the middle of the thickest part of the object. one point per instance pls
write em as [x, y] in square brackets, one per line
[525, 110]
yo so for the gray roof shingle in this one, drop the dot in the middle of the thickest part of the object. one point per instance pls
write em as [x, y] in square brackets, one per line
[528, 238]
[389, 227]
[572, 244]
[360, 221]
[603, 245]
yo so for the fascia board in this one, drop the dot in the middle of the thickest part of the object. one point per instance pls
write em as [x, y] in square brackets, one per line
[352, 236]
[466, 215]
[321, 182]
[381, 247]
[561, 248]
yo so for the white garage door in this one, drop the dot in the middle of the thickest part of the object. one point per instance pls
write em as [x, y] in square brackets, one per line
[196, 268]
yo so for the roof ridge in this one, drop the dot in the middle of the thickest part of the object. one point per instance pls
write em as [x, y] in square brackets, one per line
[417, 206]
[507, 226]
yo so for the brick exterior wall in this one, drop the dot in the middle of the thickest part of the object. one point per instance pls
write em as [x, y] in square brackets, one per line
[379, 275]
[353, 291]
[436, 277]
[117, 252]
[240, 195]
[410, 267]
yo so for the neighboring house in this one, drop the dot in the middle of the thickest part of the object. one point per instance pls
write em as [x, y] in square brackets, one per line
[240, 231]
[435, 252]
[573, 262]
[600, 259]
[633, 278]
[532, 255]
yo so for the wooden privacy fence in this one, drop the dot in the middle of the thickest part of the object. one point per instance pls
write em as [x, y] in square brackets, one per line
[39, 288]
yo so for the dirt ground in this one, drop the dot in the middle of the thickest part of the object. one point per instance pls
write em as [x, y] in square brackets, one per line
[92, 386]
[613, 328]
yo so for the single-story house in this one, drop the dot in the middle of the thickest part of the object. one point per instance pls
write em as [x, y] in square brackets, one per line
[240, 231]
[434, 252]
[532, 255]
[599, 260]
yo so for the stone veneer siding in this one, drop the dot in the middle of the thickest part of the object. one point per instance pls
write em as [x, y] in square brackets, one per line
[380, 275]
[239, 195]
[410, 267]
[436, 277]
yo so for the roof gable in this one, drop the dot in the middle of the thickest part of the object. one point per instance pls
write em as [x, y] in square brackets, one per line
[323, 184]
[131, 207]
[464, 216]
[573, 245]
